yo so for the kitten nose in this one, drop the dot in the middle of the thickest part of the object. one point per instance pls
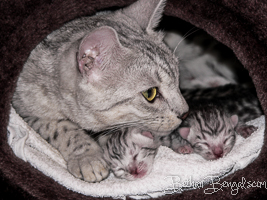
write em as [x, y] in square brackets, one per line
[218, 155]
[218, 152]
[184, 115]
[136, 172]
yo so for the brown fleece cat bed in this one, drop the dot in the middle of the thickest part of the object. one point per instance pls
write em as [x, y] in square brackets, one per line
[240, 25]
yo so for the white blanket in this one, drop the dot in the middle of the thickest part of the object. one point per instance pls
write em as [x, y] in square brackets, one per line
[171, 172]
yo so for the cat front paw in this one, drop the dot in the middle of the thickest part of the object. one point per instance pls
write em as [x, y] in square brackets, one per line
[184, 149]
[246, 130]
[89, 168]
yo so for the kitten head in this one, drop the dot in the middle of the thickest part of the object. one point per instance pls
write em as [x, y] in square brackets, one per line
[130, 153]
[212, 135]
[128, 75]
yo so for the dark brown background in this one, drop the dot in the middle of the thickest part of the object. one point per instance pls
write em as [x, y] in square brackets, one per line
[239, 24]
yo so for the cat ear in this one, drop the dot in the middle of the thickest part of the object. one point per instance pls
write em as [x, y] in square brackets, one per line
[147, 134]
[234, 119]
[147, 13]
[184, 132]
[98, 51]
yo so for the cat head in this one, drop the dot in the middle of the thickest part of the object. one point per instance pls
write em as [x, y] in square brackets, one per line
[129, 77]
[211, 135]
[130, 153]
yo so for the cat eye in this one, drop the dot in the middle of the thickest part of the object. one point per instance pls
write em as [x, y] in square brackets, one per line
[198, 147]
[206, 144]
[121, 170]
[224, 142]
[231, 139]
[150, 94]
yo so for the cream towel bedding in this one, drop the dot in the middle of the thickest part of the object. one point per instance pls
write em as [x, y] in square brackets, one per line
[171, 172]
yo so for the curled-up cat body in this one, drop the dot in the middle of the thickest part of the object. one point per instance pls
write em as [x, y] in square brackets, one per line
[107, 71]
[204, 62]
[216, 116]
[241, 100]
[129, 152]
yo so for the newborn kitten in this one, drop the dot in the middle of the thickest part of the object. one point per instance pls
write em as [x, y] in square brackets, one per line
[216, 116]
[211, 132]
[129, 152]
[107, 71]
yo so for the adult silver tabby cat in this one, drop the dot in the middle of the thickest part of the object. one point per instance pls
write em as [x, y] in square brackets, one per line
[102, 72]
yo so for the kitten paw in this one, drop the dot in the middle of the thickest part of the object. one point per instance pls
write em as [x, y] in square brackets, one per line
[184, 150]
[88, 168]
[246, 130]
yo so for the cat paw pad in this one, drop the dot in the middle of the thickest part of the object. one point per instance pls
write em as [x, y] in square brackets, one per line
[88, 168]
[246, 130]
[185, 150]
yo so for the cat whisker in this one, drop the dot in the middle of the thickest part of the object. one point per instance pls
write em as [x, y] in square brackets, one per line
[188, 33]
[142, 124]
[103, 134]
[139, 123]
[112, 130]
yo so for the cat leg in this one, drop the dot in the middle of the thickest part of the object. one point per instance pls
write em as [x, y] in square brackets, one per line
[187, 149]
[245, 130]
[83, 155]
[179, 144]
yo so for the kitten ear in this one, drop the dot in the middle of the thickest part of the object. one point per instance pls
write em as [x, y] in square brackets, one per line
[184, 132]
[147, 13]
[234, 119]
[147, 134]
[98, 51]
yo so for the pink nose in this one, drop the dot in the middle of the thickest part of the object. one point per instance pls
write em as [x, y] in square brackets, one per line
[134, 171]
[138, 171]
[218, 152]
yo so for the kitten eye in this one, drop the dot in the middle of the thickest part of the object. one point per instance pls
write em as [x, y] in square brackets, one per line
[121, 170]
[232, 138]
[224, 142]
[150, 94]
[197, 147]
[206, 144]
[198, 137]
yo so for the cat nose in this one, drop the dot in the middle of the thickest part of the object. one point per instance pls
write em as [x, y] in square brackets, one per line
[218, 155]
[184, 115]
[136, 172]
[218, 152]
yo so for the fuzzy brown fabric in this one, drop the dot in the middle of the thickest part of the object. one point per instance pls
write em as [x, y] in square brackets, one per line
[239, 24]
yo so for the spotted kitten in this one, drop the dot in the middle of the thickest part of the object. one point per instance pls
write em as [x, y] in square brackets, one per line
[108, 71]
[211, 132]
[216, 116]
[129, 152]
